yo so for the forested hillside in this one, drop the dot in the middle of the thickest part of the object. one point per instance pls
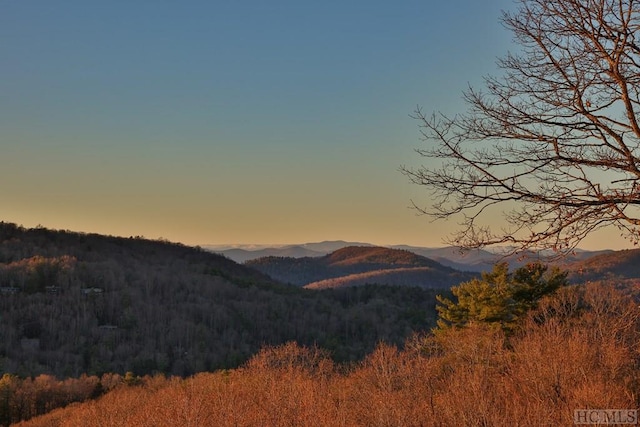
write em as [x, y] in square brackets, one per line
[424, 277]
[622, 265]
[578, 349]
[73, 303]
[359, 265]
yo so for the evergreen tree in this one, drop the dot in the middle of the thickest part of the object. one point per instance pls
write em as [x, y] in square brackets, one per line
[499, 297]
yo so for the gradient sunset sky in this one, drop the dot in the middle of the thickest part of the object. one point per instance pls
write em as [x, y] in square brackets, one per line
[210, 122]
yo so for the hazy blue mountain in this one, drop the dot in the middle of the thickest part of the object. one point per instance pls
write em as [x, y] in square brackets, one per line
[476, 260]
[243, 253]
[329, 246]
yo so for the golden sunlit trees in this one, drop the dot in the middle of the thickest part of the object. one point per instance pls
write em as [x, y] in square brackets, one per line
[553, 141]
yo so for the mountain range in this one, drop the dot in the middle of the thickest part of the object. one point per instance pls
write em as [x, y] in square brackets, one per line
[359, 265]
[476, 260]
[242, 253]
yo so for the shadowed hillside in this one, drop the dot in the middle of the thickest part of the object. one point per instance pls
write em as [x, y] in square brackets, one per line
[75, 303]
[623, 264]
[414, 276]
[358, 265]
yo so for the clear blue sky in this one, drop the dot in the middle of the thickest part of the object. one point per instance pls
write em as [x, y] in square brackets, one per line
[211, 122]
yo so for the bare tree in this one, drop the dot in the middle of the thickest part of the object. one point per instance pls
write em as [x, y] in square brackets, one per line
[554, 140]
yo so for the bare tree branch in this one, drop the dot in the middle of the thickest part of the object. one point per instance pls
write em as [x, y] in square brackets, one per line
[554, 141]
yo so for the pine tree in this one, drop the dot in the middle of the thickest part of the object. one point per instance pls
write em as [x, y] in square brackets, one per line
[498, 297]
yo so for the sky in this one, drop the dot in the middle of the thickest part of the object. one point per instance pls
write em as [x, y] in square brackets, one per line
[211, 122]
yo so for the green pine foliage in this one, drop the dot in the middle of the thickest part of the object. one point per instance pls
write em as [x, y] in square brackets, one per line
[499, 298]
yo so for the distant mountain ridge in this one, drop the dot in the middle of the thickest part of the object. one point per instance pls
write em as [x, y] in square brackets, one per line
[476, 260]
[324, 247]
[243, 253]
[359, 265]
[430, 267]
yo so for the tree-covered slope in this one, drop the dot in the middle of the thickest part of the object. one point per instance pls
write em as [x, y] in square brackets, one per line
[423, 277]
[73, 303]
[623, 264]
[358, 265]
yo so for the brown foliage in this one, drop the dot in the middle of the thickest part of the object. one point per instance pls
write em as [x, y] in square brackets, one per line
[25, 398]
[577, 350]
